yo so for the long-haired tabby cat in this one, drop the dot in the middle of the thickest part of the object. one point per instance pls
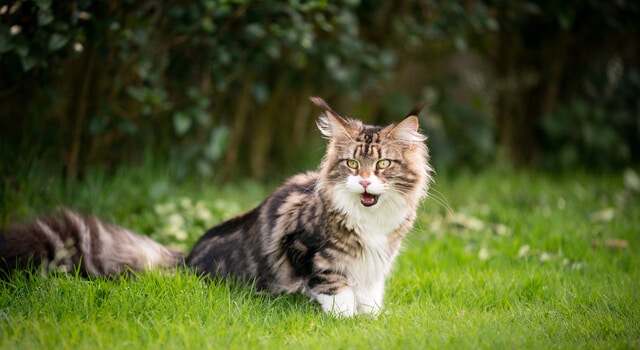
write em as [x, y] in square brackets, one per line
[332, 235]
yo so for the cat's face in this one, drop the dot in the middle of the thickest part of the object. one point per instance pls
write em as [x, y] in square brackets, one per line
[372, 166]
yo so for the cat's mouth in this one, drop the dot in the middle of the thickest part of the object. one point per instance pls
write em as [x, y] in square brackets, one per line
[368, 199]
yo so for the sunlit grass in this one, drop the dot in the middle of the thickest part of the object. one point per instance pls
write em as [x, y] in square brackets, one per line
[513, 260]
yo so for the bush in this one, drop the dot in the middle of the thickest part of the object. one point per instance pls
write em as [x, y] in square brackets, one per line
[194, 80]
[220, 87]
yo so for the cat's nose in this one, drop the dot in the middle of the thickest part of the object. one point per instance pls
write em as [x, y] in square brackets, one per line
[364, 183]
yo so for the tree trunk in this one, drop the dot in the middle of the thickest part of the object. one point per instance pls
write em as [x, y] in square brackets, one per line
[238, 128]
[507, 108]
[80, 110]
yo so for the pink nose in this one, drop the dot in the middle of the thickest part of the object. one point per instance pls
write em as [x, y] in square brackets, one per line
[364, 183]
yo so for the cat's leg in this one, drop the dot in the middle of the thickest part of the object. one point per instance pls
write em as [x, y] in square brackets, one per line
[369, 300]
[332, 291]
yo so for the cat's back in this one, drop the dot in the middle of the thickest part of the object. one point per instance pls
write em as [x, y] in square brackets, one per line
[248, 245]
[298, 187]
[293, 204]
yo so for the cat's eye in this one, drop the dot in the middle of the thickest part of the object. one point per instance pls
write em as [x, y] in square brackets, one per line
[383, 164]
[353, 164]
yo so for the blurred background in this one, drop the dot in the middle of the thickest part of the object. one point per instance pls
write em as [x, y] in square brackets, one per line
[219, 89]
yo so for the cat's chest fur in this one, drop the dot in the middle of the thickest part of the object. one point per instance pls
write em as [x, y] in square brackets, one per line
[375, 228]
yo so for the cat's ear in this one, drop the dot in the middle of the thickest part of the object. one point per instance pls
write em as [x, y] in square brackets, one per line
[330, 123]
[408, 129]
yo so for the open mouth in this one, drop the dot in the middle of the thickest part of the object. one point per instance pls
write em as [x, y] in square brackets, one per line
[368, 199]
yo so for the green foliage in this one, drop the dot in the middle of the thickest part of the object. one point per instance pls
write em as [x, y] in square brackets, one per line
[172, 76]
[37, 34]
[583, 134]
[598, 127]
[220, 87]
[545, 58]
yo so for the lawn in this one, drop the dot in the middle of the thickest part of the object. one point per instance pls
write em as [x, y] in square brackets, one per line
[497, 260]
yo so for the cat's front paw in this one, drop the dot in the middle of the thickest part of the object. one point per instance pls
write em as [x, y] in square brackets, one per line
[342, 304]
[370, 309]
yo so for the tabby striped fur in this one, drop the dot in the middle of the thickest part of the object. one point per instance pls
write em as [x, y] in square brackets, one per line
[332, 234]
[73, 240]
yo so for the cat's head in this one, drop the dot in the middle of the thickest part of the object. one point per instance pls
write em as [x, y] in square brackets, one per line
[373, 166]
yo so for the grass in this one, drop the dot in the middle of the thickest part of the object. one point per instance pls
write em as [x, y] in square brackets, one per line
[497, 260]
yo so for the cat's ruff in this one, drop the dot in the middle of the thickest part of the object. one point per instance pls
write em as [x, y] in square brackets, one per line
[332, 234]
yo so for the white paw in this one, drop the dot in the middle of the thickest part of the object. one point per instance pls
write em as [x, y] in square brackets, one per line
[371, 309]
[370, 299]
[342, 304]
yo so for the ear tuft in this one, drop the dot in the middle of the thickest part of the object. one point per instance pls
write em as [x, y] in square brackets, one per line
[416, 109]
[330, 123]
[318, 101]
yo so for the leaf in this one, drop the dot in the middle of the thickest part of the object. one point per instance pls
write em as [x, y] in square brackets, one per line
[467, 222]
[22, 48]
[207, 25]
[616, 243]
[218, 140]
[565, 19]
[28, 62]
[524, 251]
[611, 243]
[604, 215]
[181, 123]
[631, 180]
[5, 42]
[204, 168]
[483, 254]
[57, 41]
[136, 93]
[256, 30]
[127, 126]
[260, 92]
[43, 4]
[44, 17]
[98, 125]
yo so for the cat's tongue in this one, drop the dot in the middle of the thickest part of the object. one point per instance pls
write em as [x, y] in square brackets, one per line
[368, 199]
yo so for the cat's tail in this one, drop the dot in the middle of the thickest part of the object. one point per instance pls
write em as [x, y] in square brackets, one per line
[73, 241]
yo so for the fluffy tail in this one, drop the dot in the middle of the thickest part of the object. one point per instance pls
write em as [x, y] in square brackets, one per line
[73, 240]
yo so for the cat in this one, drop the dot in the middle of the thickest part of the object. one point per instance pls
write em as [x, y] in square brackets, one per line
[332, 234]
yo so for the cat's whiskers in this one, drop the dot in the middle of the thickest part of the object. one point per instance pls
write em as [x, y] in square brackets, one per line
[439, 198]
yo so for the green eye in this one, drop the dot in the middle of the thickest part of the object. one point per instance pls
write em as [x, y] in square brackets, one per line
[383, 163]
[353, 164]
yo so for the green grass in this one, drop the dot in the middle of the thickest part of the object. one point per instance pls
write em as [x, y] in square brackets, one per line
[497, 260]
